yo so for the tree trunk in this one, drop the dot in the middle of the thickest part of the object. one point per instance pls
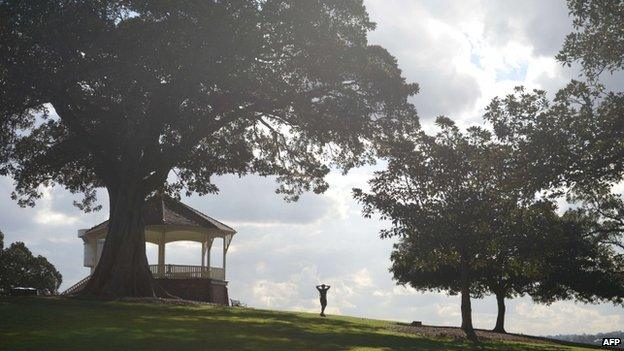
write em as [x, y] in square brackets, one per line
[500, 319]
[123, 269]
[466, 308]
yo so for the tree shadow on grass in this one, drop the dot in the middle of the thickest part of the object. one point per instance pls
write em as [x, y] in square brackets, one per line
[56, 324]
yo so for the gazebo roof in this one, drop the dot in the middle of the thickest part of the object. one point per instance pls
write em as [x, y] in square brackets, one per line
[165, 211]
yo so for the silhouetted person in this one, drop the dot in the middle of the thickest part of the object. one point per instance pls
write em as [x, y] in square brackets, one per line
[322, 289]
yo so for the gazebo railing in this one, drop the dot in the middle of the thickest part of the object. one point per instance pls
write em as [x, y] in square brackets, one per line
[177, 271]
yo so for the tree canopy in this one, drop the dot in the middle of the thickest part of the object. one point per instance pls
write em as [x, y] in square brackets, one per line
[572, 145]
[598, 40]
[141, 96]
[19, 268]
[574, 263]
[440, 193]
[515, 253]
[474, 211]
[468, 223]
[203, 87]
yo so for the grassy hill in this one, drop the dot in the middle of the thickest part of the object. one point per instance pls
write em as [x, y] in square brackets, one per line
[68, 324]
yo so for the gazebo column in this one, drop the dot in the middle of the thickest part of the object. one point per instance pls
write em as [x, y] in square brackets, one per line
[205, 260]
[224, 252]
[161, 255]
[208, 247]
[203, 255]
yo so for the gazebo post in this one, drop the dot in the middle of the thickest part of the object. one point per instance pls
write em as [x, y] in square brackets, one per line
[203, 261]
[203, 255]
[161, 255]
[208, 247]
[224, 252]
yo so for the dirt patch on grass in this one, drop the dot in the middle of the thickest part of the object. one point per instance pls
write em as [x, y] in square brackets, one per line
[457, 333]
[163, 301]
[483, 335]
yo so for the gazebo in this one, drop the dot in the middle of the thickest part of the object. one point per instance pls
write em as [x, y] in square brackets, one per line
[168, 220]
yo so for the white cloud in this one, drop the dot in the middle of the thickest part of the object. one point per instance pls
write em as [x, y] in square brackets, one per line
[362, 278]
[447, 310]
[52, 218]
[404, 291]
[261, 266]
[273, 294]
[567, 316]
[46, 215]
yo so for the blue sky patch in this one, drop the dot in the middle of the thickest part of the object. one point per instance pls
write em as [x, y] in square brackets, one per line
[476, 60]
[517, 73]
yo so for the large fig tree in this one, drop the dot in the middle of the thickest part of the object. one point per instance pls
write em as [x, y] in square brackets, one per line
[145, 96]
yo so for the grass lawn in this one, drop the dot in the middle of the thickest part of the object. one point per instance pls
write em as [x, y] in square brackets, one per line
[67, 324]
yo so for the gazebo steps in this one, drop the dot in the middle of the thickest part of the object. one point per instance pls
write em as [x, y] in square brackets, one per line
[196, 289]
[76, 288]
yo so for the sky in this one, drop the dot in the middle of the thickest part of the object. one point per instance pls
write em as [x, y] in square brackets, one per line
[462, 54]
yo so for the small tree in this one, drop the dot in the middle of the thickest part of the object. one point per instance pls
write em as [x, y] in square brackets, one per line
[439, 193]
[18, 267]
[142, 89]
[537, 252]
[416, 264]
[513, 253]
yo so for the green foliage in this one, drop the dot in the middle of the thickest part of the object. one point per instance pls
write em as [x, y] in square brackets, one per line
[140, 88]
[575, 141]
[519, 236]
[567, 261]
[92, 325]
[463, 205]
[573, 146]
[122, 94]
[1, 240]
[598, 40]
[570, 143]
[441, 193]
[19, 268]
